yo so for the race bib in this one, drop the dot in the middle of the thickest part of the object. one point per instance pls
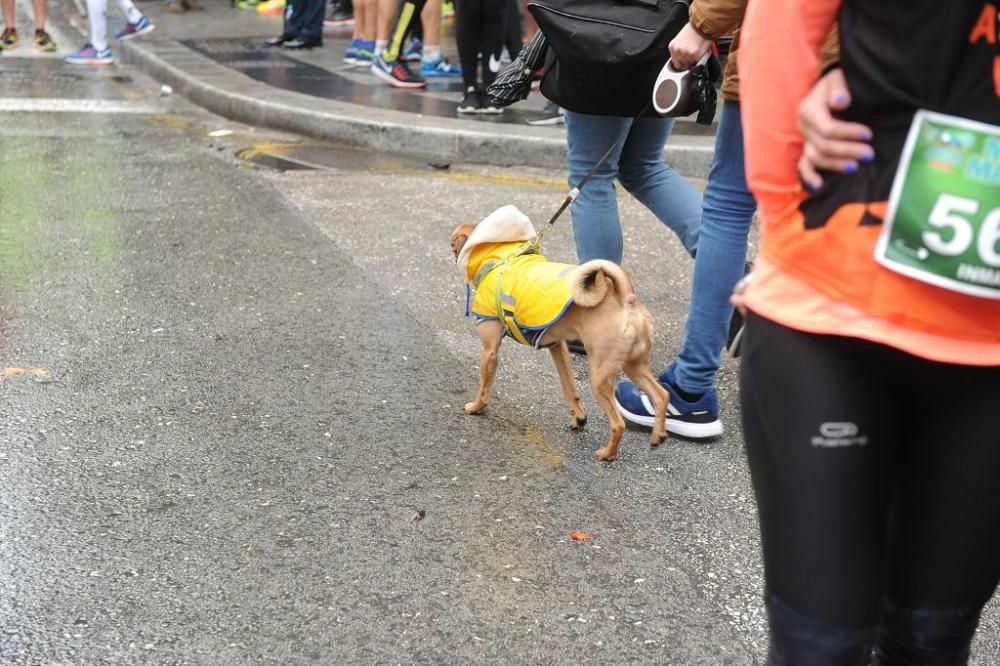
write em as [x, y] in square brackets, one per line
[943, 221]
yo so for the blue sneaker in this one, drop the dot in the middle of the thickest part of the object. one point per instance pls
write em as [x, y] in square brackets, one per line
[694, 420]
[88, 55]
[440, 67]
[360, 52]
[414, 51]
[141, 27]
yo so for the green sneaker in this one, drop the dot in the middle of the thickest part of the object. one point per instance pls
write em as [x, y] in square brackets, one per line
[43, 41]
[9, 38]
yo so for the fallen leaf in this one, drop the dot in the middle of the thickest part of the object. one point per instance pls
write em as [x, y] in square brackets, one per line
[16, 372]
[581, 536]
[418, 516]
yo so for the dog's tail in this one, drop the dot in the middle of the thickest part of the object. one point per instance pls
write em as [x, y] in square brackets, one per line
[591, 283]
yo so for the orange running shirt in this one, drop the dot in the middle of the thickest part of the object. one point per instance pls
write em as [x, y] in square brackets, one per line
[817, 250]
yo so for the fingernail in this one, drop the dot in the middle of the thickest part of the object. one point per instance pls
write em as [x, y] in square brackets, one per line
[840, 99]
[813, 185]
[851, 167]
[866, 136]
[868, 157]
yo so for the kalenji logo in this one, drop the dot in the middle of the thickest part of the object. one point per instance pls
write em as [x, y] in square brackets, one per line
[835, 434]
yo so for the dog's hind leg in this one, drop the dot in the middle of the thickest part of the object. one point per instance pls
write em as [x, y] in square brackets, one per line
[602, 383]
[642, 376]
[491, 335]
[560, 356]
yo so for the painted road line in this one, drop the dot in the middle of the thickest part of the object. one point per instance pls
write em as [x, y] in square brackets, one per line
[63, 105]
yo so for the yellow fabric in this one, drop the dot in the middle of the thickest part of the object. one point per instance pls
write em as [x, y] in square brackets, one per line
[533, 292]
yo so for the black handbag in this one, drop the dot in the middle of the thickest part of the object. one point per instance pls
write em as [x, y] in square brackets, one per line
[604, 55]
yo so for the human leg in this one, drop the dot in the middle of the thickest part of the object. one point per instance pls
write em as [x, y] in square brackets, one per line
[433, 62]
[820, 451]
[10, 38]
[644, 174]
[944, 540]
[596, 226]
[492, 33]
[727, 212]
[388, 64]
[876, 496]
[97, 52]
[468, 35]
[131, 12]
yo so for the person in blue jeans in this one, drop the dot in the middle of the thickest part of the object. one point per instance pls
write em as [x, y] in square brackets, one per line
[637, 163]
[726, 215]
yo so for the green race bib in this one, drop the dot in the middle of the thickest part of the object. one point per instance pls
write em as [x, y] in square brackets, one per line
[943, 222]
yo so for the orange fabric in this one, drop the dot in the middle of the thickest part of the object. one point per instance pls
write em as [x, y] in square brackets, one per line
[836, 260]
[782, 297]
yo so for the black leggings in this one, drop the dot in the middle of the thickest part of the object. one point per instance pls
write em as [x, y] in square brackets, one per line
[479, 31]
[877, 476]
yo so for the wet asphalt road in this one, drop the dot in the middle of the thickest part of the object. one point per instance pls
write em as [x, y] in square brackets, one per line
[230, 393]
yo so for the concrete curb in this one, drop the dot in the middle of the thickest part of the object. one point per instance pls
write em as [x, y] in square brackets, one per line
[229, 94]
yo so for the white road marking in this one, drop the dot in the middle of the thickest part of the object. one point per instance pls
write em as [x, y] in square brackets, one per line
[63, 105]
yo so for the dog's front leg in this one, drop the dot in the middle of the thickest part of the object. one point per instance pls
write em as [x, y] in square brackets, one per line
[491, 335]
[602, 383]
[560, 356]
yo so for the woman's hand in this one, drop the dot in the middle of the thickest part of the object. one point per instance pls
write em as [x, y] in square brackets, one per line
[830, 144]
[687, 48]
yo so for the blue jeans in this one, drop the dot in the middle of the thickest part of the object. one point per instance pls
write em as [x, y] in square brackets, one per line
[727, 213]
[638, 164]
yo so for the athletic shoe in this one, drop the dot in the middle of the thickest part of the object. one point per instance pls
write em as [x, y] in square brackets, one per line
[271, 7]
[242, 4]
[141, 27]
[360, 52]
[414, 51]
[550, 115]
[490, 108]
[397, 74]
[473, 102]
[694, 420]
[43, 41]
[301, 43]
[88, 55]
[442, 67]
[9, 38]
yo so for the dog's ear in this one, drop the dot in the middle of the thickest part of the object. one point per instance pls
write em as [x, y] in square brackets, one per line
[459, 237]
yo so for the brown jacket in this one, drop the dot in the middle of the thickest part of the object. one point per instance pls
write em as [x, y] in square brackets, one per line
[713, 19]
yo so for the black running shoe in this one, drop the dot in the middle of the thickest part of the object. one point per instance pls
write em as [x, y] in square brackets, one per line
[473, 102]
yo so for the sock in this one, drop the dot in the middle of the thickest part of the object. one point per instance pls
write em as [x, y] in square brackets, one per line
[432, 53]
[685, 396]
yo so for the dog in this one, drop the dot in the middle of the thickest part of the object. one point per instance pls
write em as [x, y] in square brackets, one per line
[594, 303]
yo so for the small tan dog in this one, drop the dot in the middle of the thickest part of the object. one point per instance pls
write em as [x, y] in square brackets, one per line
[594, 303]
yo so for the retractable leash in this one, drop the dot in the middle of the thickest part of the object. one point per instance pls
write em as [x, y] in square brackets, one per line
[572, 195]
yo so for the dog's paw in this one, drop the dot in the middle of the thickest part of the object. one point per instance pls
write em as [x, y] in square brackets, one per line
[577, 422]
[474, 408]
[606, 454]
[656, 439]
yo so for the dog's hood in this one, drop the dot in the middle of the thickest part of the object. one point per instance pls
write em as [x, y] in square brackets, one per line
[504, 225]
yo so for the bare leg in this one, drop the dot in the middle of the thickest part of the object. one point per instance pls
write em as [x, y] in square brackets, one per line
[491, 335]
[8, 13]
[560, 356]
[431, 18]
[365, 14]
[41, 9]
